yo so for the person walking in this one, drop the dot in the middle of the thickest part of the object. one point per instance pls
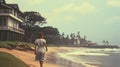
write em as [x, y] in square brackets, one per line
[40, 49]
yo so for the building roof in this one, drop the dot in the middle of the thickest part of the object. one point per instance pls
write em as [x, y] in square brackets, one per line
[9, 6]
[4, 6]
[14, 6]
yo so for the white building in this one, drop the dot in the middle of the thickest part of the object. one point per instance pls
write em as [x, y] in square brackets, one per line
[10, 22]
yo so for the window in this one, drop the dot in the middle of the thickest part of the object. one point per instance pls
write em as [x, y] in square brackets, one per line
[1, 10]
[15, 24]
[2, 22]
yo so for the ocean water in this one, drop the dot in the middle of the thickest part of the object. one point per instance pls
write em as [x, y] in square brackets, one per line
[89, 57]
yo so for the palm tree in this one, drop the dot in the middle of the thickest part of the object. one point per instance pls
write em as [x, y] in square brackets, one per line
[103, 42]
[107, 42]
[85, 37]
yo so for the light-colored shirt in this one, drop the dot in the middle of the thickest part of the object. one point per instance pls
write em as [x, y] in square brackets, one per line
[40, 43]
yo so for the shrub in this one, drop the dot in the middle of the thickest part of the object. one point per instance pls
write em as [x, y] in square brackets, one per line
[14, 44]
[4, 45]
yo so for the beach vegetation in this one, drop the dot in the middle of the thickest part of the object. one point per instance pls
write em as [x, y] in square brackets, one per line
[16, 45]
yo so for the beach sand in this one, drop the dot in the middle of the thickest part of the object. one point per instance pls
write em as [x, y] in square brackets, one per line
[28, 57]
[52, 58]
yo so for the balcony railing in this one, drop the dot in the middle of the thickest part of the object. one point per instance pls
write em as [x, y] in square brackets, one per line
[19, 30]
[7, 11]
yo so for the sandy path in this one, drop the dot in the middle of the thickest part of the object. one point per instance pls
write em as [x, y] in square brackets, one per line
[28, 57]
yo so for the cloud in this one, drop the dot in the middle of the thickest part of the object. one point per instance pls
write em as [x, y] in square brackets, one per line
[68, 11]
[114, 3]
[84, 8]
[28, 2]
[112, 20]
[33, 2]
[70, 18]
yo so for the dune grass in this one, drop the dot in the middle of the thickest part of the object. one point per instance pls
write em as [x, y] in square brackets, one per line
[8, 60]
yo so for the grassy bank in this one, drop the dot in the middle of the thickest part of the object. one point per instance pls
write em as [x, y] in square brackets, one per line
[16, 45]
[7, 60]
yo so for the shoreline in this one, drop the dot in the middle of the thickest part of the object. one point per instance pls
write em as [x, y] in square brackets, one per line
[53, 59]
[70, 62]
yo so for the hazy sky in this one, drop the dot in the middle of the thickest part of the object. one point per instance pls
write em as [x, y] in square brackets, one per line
[97, 19]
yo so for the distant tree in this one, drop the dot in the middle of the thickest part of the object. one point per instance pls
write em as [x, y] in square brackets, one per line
[103, 42]
[50, 30]
[63, 34]
[62, 38]
[78, 35]
[51, 34]
[67, 40]
[107, 42]
[33, 21]
[85, 37]
[72, 38]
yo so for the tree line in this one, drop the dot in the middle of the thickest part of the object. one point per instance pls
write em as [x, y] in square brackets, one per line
[32, 26]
